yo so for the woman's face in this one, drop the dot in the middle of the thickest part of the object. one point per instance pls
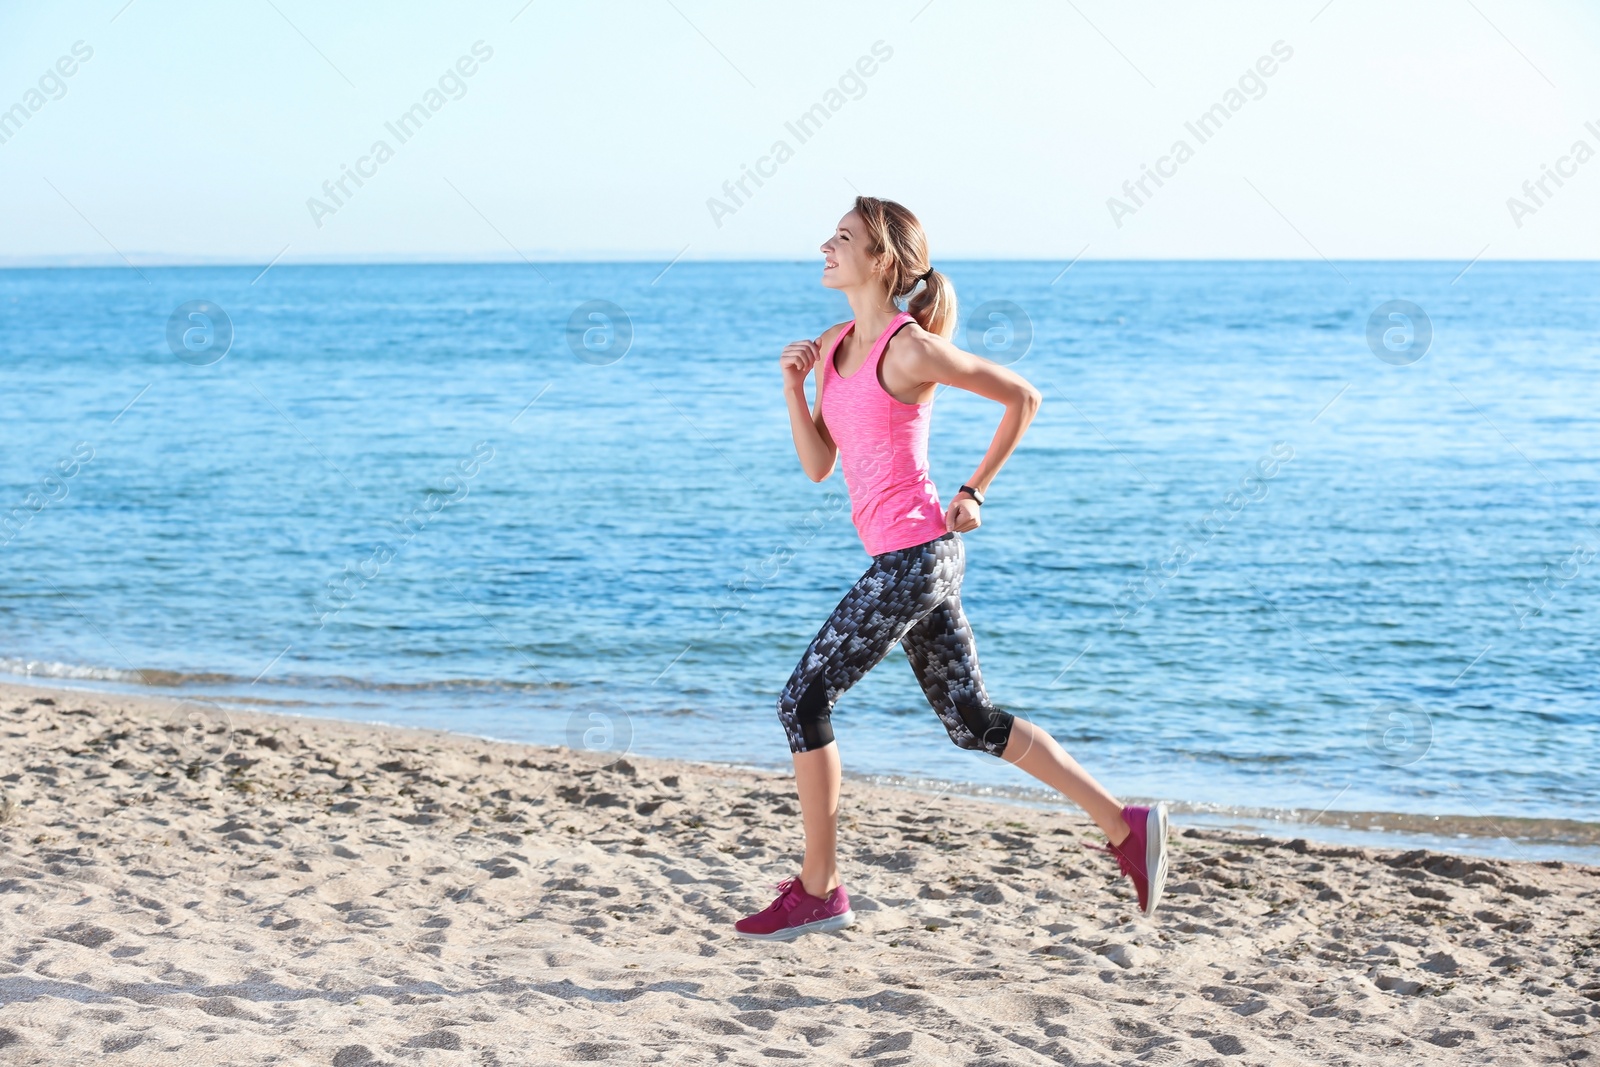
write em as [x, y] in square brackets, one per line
[846, 261]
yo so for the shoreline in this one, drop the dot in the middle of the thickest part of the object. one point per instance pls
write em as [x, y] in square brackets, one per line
[258, 888]
[1493, 836]
[1479, 835]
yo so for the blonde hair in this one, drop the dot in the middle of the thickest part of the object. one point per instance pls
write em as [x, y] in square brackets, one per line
[897, 237]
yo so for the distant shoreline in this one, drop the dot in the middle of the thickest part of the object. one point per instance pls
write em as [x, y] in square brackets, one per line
[159, 260]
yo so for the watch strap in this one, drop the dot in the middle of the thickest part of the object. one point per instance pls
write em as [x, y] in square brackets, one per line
[972, 493]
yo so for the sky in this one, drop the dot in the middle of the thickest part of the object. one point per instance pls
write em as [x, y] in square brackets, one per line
[190, 132]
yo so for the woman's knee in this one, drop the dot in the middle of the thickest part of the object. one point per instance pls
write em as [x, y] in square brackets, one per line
[988, 729]
[806, 714]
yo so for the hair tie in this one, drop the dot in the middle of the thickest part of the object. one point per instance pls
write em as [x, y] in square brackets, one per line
[925, 275]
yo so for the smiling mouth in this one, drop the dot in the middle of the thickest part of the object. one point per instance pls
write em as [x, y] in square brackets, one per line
[828, 264]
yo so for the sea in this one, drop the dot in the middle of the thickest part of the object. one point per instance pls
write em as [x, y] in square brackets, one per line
[1300, 547]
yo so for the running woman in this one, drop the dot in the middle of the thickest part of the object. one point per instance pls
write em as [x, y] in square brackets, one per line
[875, 391]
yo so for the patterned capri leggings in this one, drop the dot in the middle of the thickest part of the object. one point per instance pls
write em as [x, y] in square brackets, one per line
[913, 596]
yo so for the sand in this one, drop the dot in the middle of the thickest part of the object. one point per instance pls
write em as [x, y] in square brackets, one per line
[180, 885]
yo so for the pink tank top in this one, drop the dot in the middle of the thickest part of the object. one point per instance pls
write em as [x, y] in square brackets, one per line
[883, 447]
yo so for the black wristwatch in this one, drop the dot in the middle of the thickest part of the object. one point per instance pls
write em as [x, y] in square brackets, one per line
[972, 493]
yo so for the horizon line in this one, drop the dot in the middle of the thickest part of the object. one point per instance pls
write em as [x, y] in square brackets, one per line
[158, 261]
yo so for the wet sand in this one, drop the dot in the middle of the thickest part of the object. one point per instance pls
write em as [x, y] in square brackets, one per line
[184, 885]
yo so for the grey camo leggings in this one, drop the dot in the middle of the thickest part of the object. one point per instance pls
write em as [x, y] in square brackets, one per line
[911, 596]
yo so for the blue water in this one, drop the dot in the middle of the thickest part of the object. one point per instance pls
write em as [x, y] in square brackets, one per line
[621, 550]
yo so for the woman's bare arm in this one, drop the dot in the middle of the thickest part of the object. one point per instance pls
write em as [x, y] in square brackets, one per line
[812, 441]
[930, 358]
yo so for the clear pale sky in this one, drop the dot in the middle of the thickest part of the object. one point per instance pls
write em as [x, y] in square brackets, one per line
[197, 132]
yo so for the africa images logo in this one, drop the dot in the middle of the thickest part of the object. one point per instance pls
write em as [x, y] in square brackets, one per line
[406, 126]
[802, 129]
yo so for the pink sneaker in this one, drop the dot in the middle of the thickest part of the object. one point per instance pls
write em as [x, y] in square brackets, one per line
[1143, 853]
[797, 912]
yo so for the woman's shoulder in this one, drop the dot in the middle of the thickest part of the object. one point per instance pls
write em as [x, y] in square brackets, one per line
[913, 342]
[830, 333]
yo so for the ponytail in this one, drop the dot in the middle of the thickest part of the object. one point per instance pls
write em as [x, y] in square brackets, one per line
[901, 245]
[934, 307]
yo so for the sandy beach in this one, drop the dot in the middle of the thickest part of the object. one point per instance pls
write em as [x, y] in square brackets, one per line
[185, 885]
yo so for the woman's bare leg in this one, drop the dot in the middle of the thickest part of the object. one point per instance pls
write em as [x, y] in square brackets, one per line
[1035, 751]
[816, 775]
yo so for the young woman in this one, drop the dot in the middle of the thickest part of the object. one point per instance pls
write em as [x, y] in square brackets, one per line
[874, 402]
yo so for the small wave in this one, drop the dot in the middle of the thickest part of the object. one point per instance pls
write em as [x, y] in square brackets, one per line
[34, 668]
[158, 678]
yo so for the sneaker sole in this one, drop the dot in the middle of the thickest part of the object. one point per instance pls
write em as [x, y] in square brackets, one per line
[821, 926]
[1155, 853]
